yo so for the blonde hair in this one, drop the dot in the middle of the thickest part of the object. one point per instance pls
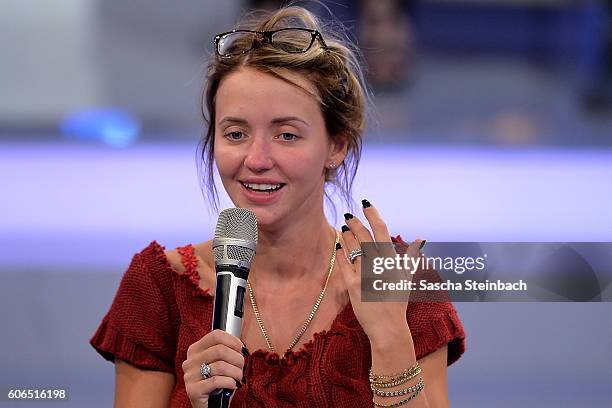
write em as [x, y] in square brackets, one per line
[334, 71]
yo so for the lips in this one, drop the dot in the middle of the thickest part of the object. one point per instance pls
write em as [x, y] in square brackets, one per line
[263, 187]
[262, 193]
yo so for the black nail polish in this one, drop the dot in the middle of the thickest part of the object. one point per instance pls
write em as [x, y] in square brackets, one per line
[238, 384]
[348, 216]
[345, 228]
[422, 244]
[366, 203]
[338, 246]
[245, 351]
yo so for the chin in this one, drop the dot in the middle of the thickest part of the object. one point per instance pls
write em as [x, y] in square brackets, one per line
[267, 217]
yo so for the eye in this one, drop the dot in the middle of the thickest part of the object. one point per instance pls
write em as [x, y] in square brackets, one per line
[235, 135]
[287, 137]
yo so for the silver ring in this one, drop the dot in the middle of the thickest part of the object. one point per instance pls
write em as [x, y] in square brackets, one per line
[354, 254]
[205, 371]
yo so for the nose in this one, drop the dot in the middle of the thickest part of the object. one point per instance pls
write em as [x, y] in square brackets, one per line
[258, 158]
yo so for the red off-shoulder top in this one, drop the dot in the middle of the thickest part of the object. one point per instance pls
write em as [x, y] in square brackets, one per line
[158, 313]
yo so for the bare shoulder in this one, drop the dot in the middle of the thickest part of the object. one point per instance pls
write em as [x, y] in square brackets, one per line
[205, 264]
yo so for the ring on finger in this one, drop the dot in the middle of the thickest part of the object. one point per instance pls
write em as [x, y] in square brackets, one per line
[205, 371]
[354, 254]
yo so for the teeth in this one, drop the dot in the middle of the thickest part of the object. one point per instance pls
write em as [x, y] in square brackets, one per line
[262, 187]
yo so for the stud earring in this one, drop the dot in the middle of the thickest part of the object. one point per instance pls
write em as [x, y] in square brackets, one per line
[332, 165]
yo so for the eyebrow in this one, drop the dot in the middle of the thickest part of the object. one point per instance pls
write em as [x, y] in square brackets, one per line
[240, 121]
[231, 119]
[289, 119]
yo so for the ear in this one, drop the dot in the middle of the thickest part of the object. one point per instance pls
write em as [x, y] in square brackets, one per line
[338, 148]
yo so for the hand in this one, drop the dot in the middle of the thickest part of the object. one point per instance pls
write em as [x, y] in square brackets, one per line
[383, 320]
[223, 353]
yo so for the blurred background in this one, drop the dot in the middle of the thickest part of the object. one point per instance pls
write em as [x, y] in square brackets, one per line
[493, 117]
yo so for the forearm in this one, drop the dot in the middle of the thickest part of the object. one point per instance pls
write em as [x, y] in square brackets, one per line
[135, 387]
[391, 355]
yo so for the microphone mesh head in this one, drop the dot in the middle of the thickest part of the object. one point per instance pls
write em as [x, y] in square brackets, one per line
[236, 223]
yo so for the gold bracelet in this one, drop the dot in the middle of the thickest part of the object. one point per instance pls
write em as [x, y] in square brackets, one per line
[402, 402]
[395, 381]
[398, 393]
[380, 377]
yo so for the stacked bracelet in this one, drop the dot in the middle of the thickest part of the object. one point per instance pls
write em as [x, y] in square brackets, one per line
[398, 393]
[419, 387]
[380, 382]
[388, 381]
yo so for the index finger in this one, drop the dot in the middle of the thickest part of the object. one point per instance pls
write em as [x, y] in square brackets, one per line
[215, 337]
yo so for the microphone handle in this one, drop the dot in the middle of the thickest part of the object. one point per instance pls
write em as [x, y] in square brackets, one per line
[227, 315]
[221, 400]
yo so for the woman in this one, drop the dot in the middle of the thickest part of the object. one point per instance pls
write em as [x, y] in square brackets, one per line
[286, 108]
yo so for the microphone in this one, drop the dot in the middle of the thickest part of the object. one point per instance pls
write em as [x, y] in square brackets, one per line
[234, 249]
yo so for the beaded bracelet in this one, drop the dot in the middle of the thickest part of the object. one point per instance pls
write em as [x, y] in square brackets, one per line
[398, 393]
[395, 380]
[404, 401]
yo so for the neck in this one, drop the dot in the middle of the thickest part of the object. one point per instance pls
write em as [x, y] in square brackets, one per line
[300, 250]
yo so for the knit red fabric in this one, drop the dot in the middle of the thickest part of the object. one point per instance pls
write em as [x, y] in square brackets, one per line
[158, 313]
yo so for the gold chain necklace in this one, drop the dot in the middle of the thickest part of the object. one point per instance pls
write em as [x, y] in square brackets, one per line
[312, 313]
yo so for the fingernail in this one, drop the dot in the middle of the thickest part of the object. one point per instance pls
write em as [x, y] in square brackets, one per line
[245, 351]
[422, 244]
[345, 228]
[366, 203]
[348, 216]
[338, 246]
[238, 384]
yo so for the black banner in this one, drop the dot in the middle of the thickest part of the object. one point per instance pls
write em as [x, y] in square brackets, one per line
[488, 272]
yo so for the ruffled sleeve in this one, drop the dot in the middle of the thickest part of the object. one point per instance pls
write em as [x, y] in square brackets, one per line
[138, 328]
[433, 323]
